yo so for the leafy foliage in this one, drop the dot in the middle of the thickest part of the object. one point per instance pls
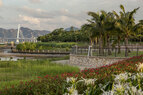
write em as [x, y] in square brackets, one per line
[45, 46]
[61, 35]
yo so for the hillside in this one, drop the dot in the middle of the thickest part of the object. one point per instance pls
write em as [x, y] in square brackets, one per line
[27, 33]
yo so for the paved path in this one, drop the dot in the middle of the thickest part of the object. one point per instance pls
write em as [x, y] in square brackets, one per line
[29, 55]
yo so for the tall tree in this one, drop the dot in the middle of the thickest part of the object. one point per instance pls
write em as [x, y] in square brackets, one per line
[101, 26]
[126, 23]
[90, 30]
[98, 21]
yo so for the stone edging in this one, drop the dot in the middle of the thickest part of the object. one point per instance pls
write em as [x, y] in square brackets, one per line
[93, 61]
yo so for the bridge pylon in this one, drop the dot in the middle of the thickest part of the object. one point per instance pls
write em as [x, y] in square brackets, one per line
[18, 31]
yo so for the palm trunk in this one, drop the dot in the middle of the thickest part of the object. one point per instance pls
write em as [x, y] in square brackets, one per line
[91, 41]
[108, 45]
[101, 46]
[126, 46]
[119, 47]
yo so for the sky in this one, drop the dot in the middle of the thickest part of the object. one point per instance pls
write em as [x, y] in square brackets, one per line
[52, 14]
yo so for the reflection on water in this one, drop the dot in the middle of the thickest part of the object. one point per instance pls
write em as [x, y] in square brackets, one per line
[10, 58]
[14, 58]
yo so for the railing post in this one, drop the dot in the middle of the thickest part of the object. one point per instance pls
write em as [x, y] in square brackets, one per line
[137, 51]
[76, 49]
[126, 52]
[115, 52]
[72, 50]
[81, 50]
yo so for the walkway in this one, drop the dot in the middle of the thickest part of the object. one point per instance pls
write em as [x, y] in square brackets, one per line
[29, 55]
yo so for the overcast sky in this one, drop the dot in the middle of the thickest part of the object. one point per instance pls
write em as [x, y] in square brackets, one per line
[52, 14]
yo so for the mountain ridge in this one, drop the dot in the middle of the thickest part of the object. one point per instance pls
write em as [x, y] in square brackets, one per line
[27, 32]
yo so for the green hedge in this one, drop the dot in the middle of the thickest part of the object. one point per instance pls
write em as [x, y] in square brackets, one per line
[40, 46]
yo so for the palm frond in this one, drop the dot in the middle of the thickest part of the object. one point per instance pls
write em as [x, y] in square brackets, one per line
[117, 16]
[123, 9]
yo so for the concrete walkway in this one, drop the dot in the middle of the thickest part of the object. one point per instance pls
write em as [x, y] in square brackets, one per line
[29, 55]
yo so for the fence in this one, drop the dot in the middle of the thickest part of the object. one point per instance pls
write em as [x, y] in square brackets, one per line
[108, 52]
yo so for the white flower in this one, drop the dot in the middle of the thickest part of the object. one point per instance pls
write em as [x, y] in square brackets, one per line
[118, 88]
[108, 93]
[134, 89]
[121, 77]
[140, 75]
[72, 80]
[140, 67]
[139, 92]
[72, 91]
[89, 81]
[134, 77]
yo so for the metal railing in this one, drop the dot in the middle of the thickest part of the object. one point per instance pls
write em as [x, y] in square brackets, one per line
[108, 52]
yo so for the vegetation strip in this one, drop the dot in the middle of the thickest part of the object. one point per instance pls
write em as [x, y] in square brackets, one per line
[57, 84]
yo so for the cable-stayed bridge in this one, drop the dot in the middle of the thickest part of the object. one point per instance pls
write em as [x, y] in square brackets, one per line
[19, 38]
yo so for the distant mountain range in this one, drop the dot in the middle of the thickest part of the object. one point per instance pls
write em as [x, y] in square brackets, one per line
[27, 33]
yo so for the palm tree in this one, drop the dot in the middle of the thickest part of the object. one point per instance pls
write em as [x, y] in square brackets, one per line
[139, 30]
[98, 22]
[126, 23]
[102, 26]
[109, 29]
[90, 30]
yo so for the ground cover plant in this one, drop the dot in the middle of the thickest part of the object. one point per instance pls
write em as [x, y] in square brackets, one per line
[57, 85]
[49, 45]
[46, 46]
[11, 73]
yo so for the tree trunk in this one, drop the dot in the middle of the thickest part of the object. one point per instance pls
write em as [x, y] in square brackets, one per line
[101, 46]
[108, 45]
[126, 46]
[119, 47]
[91, 41]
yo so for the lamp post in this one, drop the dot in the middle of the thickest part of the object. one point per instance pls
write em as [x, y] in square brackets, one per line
[89, 51]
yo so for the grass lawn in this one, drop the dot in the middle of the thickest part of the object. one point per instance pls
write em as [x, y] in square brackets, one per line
[11, 73]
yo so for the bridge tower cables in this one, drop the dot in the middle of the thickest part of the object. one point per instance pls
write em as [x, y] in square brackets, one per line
[18, 31]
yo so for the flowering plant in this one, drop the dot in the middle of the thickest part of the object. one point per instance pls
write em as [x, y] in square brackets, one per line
[121, 77]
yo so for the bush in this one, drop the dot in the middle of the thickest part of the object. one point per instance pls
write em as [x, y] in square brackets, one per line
[44, 46]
